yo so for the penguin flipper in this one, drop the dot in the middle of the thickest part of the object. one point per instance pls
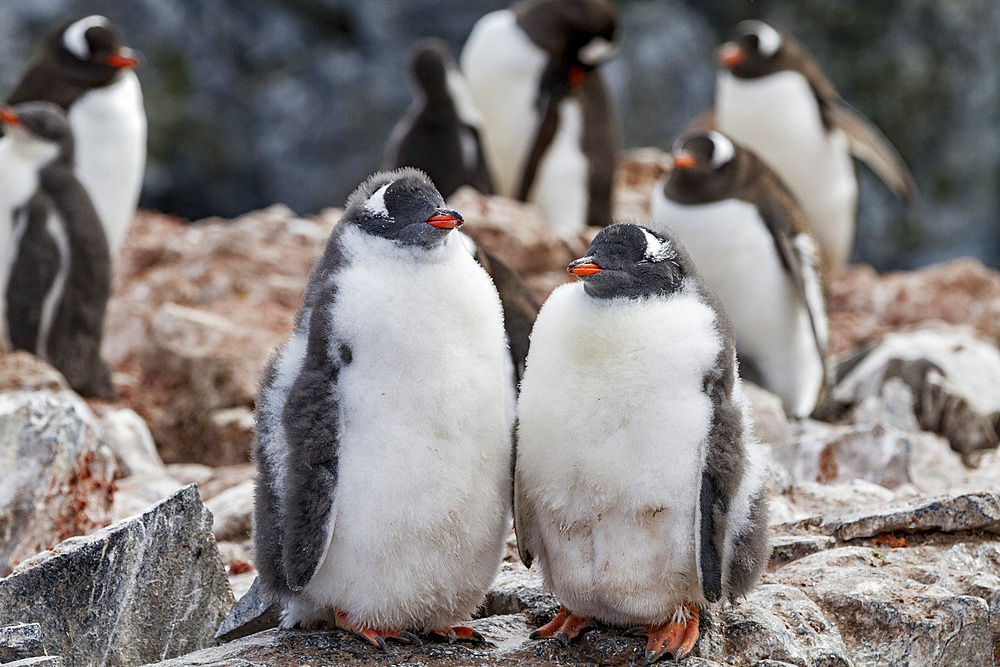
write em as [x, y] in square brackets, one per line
[868, 144]
[523, 516]
[32, 275]
[312, 430]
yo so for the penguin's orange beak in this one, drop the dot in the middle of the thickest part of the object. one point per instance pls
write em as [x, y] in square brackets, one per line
[9, 116]
[446, 220]
[684, 160]
[583, 267]
[124, 59]
[731, 55]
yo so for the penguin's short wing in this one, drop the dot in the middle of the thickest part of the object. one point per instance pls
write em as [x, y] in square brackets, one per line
[480, 177]
[523, 516]
[37, 261]
[873, 148]
[312, 429]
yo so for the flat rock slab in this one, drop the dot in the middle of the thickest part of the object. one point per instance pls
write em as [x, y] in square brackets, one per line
[20, 641]
[967, 512]
[149, 588]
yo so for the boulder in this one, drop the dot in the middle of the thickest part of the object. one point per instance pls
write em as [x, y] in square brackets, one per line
[233, 512]
[56, 478]
[128, 436]
[145, 589]
[23, 371]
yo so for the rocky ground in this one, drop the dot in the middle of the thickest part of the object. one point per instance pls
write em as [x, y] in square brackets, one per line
[124, 527]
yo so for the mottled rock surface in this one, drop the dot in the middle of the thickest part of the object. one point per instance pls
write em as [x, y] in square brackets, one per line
[21, 641]
[146, 589]
[56, 477]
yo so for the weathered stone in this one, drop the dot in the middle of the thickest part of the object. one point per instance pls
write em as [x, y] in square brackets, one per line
[56, 478]
[20, 641]
[233, 512]
[888, 617]
[128, 436]
[517, 590]
[769, 418]
[23, 371]
[222, 478]
[254, 612]
[141, 590]
[135, 493]
[786, 548]
[954, 379]
[40, 661]
[968, 512]
[810, 502]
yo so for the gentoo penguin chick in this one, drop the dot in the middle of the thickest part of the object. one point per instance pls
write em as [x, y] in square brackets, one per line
[55, 276]
[749, 240]
[548, 127]
[84, 68]
[384, 427]
[639, 488]
[440, 132]
[772, 97]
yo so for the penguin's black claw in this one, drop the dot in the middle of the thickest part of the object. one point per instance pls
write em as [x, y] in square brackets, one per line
[409, 638]
[535, 634]
[635, 631]
[563, 639]
[380, 643]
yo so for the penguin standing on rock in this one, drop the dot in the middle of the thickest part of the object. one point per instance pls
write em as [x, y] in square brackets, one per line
[84, 68]
[639, 488]
[384, 427]
[441, 122]
[772, 97]
[750, 241]
[548, 126]
[55, 275]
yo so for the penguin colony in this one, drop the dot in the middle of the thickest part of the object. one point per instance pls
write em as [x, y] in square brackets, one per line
[387, 423]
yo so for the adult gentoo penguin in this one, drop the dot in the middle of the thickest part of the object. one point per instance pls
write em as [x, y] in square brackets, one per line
[55, 276]
[548, 126]
[384, 427]
[749, 239]
[772, 97]
[638, 484]
[441, 125]
[85, 69]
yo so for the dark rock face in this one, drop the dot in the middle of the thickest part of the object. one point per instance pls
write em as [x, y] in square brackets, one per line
[146, 589]
[18, 642]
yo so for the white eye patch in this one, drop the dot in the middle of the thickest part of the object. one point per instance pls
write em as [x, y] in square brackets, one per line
[376, 203]
[656, 251]
[723, 151]
[596, 51]
[74, 37]
[768, 39]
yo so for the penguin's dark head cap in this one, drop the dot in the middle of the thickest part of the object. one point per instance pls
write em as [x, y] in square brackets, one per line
[403, 206]
[430, 61]
[581, 31]
[629, 261]
[706, 168]
[89, 51]
[756, 48]
[40, 128]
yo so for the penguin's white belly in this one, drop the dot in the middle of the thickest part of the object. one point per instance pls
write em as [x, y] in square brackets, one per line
[502, 68]
[612, 428]
[778, 118]
[735, 254]
[562, 185]
[420, 509]
[109, 128]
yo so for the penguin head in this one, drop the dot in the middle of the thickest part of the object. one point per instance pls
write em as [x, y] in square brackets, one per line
[430, 61]
[629, 261]
[89, 52]
[39, 131]
[706, 168]
[756, 49]
[578, 31]
[403, 206]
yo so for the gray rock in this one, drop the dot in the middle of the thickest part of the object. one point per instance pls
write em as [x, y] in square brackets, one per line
[786, 548]
[20, 641]
[254, 612]
[128, 436]
[40, 661]
[145, 589]
[967, 512]
[56, 477]
[902, 606]
[233, 512]
[517, 590]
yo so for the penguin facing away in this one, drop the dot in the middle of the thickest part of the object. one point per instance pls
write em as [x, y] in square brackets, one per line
[548, 127]
[772, 97]
[441, 124]
[384, 427]
[639, 487]
[749, 239]
[55, 279]
[85, 68]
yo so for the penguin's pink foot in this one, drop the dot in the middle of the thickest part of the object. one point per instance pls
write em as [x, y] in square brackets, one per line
[459, 633]
[565, 627]
[674, 639]
[376, 638]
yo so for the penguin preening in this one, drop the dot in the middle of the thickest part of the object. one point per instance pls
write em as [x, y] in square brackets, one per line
[440, 132]
[548, 126]
[84, 68]
[639, 487]
[772, 97]
[55, 276]
[384, 427]
[751, 244]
